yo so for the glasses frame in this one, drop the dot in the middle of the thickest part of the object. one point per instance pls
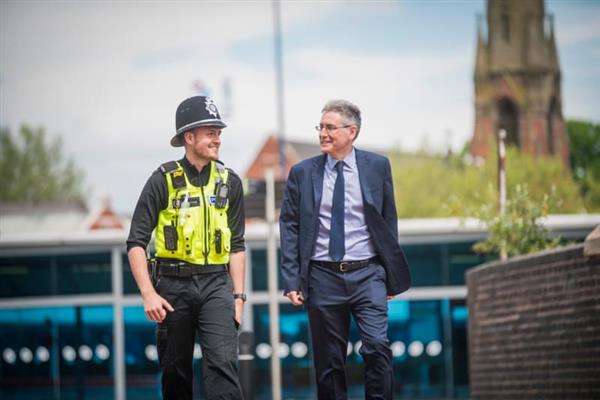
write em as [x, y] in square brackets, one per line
[330, 128]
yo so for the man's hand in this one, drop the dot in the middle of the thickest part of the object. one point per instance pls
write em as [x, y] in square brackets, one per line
[156, 307]
[239, 310]
[296, 297]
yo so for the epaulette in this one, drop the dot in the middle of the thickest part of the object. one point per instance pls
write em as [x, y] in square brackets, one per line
[177, 177]
[169, 167]
[220, 167]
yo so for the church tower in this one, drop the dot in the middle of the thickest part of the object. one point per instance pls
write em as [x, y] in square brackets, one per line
[518, 81]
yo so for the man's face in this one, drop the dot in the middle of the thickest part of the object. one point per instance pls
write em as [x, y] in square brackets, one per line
[337, 135]
[204, 142]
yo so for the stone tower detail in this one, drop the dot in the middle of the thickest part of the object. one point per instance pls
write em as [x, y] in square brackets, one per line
[518, 81]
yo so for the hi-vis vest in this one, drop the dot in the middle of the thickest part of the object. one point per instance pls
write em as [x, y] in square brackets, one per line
[193, 228]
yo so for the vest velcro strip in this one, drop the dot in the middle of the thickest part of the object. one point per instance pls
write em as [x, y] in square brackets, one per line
[193, 202]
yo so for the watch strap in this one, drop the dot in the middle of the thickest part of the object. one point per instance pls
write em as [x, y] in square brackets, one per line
[239, 296]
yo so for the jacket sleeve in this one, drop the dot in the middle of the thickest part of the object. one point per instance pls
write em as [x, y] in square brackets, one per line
[152, 200]
[389, 204]
[235, 214]
[289, 223]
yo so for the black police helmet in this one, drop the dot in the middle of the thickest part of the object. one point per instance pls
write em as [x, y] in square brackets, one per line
[194, 112]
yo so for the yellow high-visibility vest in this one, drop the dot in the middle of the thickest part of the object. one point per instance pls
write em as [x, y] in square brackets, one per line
[193, 228]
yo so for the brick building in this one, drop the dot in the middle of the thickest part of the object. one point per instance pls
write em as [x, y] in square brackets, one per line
[518, 80]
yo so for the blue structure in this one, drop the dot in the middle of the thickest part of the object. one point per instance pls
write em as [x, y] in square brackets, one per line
[72, 325]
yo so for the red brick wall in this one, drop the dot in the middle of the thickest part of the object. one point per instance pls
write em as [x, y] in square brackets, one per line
[534, 327]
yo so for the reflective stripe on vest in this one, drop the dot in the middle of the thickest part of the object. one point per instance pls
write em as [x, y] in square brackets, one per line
[191, 228]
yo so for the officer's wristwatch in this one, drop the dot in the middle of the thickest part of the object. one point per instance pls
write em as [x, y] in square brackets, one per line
[240, 296]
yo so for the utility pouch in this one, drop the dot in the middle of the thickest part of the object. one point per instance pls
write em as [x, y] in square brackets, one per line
[152, 270]
[218, 241]
[170, 237]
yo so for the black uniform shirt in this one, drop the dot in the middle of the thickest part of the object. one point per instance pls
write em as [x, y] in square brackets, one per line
[155, 196]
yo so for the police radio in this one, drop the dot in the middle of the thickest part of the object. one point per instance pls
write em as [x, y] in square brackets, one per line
[221, 194]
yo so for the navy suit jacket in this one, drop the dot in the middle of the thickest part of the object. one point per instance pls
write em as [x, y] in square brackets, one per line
[299, 220]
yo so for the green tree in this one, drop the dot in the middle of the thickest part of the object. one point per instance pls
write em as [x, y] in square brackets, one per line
[518, 231]
[435, 186]
[431, 186]
[35, 171]
[584, 138]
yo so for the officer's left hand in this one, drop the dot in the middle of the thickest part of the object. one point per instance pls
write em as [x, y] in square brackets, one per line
[239, 310]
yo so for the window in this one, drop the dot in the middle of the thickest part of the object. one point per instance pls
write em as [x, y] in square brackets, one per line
[426, 264]
[461, 257]
[55, 275]
[68, 349]
[553, 116]
[259, 270]
[508, 119]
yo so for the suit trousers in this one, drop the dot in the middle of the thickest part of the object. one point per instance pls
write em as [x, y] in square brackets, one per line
[333, 298]
[203, 304]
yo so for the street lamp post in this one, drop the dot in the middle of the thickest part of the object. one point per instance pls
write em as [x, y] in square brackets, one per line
[502, 181]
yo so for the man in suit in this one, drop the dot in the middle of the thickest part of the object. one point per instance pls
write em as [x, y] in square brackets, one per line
[340, 252]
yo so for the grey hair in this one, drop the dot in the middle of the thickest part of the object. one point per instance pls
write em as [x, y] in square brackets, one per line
[348, 110]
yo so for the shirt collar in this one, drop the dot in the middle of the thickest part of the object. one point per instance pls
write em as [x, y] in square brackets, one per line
[193, 172]
[350, 160]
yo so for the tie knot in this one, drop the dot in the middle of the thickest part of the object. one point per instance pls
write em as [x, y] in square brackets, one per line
[339, 167]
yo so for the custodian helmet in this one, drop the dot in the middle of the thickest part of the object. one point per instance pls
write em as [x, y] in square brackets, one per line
[194, 112]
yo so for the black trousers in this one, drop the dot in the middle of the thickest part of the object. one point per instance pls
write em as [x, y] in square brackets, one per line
[203, 304]
[333, 298]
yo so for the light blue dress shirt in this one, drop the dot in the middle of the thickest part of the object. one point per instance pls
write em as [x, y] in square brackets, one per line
[357, 239]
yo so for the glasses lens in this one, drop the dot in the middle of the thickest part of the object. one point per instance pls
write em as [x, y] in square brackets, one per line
[329, 128]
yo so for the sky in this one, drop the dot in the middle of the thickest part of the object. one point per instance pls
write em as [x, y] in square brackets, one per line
[107, 76]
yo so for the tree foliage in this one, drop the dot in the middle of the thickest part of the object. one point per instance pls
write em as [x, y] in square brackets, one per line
[518, 231]
[433, 186]
[584, 138]
[35, 171]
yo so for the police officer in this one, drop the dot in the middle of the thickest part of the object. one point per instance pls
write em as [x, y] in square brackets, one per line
[195, 208]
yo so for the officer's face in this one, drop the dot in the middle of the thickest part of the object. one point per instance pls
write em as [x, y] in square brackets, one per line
[336, 135]
[204, 142]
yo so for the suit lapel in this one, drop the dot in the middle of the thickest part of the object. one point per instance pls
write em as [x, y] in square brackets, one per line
[317, 179]
[362, 164]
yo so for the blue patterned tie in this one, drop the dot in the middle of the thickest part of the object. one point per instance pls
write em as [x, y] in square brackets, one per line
[337, 247]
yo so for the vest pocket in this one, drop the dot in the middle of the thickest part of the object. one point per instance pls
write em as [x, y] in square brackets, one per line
[218, 241]
[170, 233]
[226, 240]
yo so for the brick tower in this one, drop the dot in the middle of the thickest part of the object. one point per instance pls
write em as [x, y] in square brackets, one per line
[517, 81]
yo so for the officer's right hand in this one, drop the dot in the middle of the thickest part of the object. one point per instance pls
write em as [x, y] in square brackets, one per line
[155, 307]
[296, 297]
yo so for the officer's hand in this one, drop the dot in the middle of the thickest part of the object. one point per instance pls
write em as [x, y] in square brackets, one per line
[239, 310]
[296, 297]
[155, 306]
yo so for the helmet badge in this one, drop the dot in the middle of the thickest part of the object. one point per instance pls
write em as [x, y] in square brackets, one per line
[211, 107]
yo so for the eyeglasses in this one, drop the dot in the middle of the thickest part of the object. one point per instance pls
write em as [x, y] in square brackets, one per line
[330, 128]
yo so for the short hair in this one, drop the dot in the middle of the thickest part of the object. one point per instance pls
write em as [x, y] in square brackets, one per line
[348, 110]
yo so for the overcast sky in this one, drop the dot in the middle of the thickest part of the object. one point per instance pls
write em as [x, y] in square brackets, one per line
[107, 76]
